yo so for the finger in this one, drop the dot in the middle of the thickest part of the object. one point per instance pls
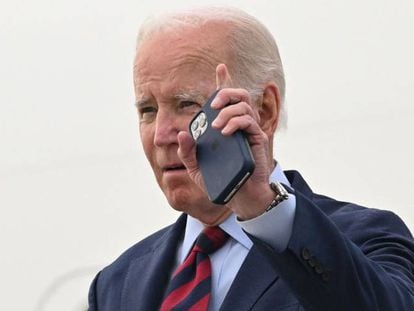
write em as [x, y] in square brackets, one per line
[186, 150]
[230, 96]
[245, 123]
[223, 78]
[229, 112]
[187, 154]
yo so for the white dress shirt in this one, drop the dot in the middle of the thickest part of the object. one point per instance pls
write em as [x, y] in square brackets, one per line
[273, 227]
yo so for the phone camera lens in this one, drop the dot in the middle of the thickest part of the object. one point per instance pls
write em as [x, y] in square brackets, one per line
[203, 120]
[194, 125]
[197, 134]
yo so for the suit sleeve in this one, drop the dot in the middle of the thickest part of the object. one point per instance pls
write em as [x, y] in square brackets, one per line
[353, 259]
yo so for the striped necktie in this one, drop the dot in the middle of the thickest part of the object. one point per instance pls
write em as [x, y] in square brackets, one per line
[190, 285]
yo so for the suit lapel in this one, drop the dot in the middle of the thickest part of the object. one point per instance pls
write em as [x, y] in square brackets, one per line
[149, 274]
[255, 276]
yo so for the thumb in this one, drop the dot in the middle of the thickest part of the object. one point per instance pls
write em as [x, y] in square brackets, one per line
[187, 154]
[223, 78]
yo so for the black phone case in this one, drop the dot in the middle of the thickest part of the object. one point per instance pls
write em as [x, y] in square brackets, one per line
[226, 162]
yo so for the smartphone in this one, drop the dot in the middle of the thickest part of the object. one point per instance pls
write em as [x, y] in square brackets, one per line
[226, 162]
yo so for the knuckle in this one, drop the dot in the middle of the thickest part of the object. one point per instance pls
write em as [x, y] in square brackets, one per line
[244, 93]
[250, 119]
[265, 138]
[249, 109]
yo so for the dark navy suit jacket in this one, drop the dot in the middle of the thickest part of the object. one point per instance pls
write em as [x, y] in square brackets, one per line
[340, 257]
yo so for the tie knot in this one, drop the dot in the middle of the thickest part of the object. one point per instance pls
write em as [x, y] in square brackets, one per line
[210, 240]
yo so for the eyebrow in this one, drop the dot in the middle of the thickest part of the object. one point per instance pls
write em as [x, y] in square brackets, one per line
[141, 101]
[192, 95]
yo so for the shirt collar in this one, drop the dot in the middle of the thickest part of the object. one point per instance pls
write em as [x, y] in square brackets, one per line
[279, 175]
[194, 227]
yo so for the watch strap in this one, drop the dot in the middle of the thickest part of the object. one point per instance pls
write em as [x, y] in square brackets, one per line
[281, 195]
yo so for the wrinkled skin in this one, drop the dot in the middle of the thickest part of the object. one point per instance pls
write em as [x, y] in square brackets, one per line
[174, 73]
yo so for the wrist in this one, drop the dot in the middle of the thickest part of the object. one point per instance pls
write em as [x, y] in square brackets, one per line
[268, 199]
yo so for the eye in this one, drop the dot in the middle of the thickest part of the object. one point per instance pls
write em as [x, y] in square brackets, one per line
[189, 107]
[188, 103]
[147, 113]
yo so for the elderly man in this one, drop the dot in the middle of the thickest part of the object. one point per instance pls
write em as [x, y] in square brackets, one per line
[265, 249]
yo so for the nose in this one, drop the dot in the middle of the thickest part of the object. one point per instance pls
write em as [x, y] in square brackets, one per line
[166, 129]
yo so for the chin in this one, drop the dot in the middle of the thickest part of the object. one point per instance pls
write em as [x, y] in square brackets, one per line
[184, 199]
[195, 203]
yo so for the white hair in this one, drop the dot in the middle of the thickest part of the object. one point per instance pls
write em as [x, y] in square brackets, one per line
[256, 55]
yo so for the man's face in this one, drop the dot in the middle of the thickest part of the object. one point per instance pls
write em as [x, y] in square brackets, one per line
[174, 74]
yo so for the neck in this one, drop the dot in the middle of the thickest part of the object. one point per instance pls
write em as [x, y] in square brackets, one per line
[212, 216]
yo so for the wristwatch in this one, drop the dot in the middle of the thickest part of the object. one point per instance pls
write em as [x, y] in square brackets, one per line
[281, 195]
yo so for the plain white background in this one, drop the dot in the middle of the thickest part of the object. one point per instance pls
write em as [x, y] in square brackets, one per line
[75, 188]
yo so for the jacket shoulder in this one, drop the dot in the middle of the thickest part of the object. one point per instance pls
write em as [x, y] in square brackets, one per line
[139, 249]
[105, 290]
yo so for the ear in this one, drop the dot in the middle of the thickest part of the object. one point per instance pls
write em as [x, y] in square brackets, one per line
[269, 108]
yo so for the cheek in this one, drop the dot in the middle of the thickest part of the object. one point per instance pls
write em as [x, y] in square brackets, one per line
[147, 142]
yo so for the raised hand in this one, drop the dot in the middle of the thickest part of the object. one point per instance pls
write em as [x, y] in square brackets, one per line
[255, 195]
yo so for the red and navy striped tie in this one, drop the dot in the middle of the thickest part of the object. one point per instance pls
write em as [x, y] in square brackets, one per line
[190, 285]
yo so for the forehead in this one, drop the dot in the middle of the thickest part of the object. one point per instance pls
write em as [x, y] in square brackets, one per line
[182, 54]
